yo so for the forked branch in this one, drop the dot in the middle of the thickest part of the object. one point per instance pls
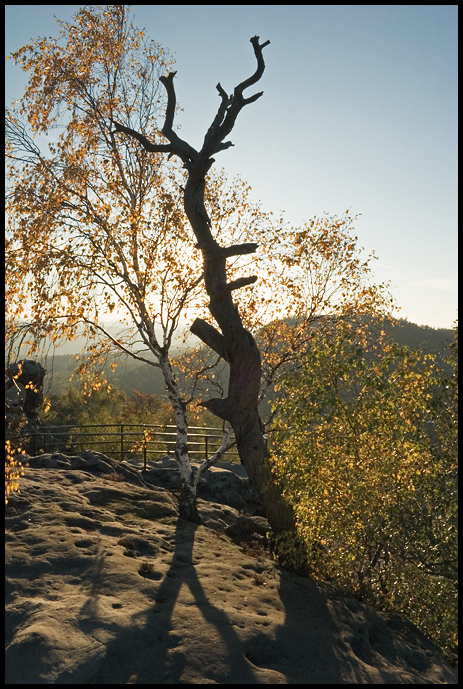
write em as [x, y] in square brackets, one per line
[221, 126]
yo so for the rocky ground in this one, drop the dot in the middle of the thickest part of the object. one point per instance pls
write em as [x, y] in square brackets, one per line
[106, 585]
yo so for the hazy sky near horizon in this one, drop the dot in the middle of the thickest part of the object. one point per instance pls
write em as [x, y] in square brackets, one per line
[359, 112]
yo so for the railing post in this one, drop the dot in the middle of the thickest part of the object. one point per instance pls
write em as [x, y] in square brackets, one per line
[205, 438]
[122, 442]
[144, 449]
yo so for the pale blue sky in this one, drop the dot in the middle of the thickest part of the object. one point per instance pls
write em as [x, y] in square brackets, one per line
[359, 111]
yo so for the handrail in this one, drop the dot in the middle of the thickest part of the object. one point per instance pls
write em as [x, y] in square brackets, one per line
[53, 431]
[136, 425]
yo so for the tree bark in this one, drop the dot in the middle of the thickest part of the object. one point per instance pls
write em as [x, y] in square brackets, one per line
[254, 456]
[233, 343]
[237, 346]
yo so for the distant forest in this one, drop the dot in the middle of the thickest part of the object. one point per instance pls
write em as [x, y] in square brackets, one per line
[132, 375]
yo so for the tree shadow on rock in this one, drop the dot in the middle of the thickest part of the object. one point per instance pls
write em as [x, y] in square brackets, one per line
[152, 651]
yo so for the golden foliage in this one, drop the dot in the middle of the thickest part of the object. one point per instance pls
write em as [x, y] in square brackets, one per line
[96, 228]
[13, 469]
[366, 451]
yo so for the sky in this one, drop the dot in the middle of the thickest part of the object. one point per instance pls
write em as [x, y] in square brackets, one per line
[359, 112]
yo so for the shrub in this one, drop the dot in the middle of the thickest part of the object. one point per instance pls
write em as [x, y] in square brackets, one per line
[367, 454]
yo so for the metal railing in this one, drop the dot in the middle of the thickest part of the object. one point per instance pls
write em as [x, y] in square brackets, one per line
[202, 441]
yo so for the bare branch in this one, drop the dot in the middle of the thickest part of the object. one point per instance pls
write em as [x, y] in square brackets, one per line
[186, 152]
[223, 147]
[226, 100]
[168, 82]
[176, 146]
[260, 65]
[215, 250]
[241, 282]
[210, 336]
[147, 145]
[220, 128]
[239, 249]
[230, 107]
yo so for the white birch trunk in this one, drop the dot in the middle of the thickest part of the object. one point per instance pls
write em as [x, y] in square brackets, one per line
[187, 500]
[189, 475]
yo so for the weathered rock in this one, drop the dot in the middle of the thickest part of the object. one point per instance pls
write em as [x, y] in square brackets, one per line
[25, 377]
[224, 482]
[15, 396]
[23, 396]
[105, 585]
[248, 530]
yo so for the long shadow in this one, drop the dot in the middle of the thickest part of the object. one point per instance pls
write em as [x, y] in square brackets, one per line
[170, 665]
[310, 627]
[317, 642]
[148, 651]
[309, 647]
[340, 640]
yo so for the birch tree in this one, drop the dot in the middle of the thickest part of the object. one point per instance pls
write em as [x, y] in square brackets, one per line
[96, 228]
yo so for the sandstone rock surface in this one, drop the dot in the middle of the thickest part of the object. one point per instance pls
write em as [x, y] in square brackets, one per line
[106, 585]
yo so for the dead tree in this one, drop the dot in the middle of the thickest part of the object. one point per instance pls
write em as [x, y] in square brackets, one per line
[233, 343]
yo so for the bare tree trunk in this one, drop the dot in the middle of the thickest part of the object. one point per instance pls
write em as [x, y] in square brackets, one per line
[254, 455]
[233, 343]
[238, 347]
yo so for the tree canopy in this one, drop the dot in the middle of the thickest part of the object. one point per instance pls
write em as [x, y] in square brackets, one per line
[100, 221]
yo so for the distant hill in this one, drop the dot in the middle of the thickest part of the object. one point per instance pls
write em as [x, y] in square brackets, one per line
[131, 374]
[430, 340]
